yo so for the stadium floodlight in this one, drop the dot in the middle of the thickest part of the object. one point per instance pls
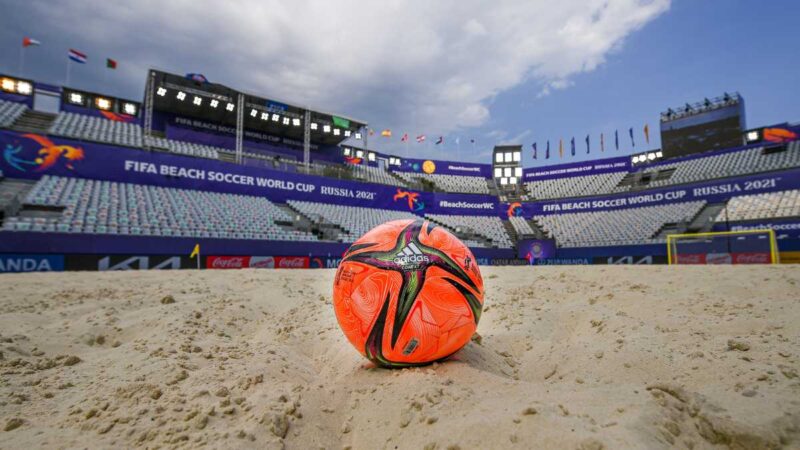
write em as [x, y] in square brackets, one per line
[752, 136]
[181, 95]
[498, 172]
[129, 108]
[8, 84]
[264, 116]
[359, 153]
[296, 122]
[507, 171]
[314, 125]
[651, 156]
[371, 156]
[161, 92]
[512, 180]
[24, 88]
[336, 131]
[213, 103]
[347, 151]
[326, 128]
[275, 117]
[517, 171]
[75, 98]
[102, 103]
[253, 112]
[230, 106]
[346, 133]
[503, 181]
[635, 159]
[197, 101]
[287, 120]
[358, 136]
[509, 157]
[517, 156]
[659, 154]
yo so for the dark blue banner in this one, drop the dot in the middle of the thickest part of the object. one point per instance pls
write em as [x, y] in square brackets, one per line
[20, 262]
[431, 166]
[621, 164]
[31, 156]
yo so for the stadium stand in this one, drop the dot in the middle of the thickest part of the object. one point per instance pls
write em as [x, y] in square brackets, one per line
[450, 183]
[80, 126]
[749, 161]
[574, 186]
[521, 226]
[102, 207]
[490, 227]
[353, 220]
[9, 112]
[762, 206]
[374, 175]
[621, 226]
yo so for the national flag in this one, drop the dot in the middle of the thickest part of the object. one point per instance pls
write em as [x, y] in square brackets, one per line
[440, 140]
[647, 133]
[196, 251]
[386, 133]
[602, 143]
[111, 63]
[421, 138]
[404, 138]
[572, 149]
[630, 131]
[587, 144]
[27, 42]
[371, 132]
[561, 148]
[197, 78]
[472, 141]
[547, 152]
[77, 56]
[534, 150]
[616, 139]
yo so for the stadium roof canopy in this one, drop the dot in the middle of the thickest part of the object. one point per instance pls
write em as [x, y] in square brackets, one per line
[196, 98]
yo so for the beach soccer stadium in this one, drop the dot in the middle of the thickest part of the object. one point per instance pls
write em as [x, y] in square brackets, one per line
[638, 301]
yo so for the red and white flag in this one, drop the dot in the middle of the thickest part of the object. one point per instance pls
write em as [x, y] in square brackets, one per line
[421, 138]
[404, 138]
[27, 42]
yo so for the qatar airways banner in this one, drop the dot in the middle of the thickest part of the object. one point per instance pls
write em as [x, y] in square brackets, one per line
[431, 166]
[621, 164]
[711, 192]
[32, 156]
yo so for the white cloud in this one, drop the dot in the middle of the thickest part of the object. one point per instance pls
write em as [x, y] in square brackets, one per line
[432, 67]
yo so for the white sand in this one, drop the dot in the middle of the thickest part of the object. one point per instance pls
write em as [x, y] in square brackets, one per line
[571, 357]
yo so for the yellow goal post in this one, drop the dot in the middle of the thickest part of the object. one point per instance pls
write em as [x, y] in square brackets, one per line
[725, 257]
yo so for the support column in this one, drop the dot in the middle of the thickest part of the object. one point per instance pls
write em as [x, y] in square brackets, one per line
[239, 128]
[149, 92]
[307, 140]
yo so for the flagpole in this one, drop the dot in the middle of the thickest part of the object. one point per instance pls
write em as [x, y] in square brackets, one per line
[21, 60]
[68, 66]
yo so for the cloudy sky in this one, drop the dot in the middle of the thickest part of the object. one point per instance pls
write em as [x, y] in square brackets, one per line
[514, 71]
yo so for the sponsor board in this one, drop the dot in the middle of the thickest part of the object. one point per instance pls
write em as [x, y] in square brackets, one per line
[257, 262]
[790, 257]
[562, 261]
[647, 260]
[724, 258]
[128, 262]
[15, 263]
[752, 258]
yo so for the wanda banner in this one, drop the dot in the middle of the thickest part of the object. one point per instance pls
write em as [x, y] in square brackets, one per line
[257, 262]
[724, 258]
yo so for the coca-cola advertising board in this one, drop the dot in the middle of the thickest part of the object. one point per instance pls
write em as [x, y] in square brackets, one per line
[257, 262]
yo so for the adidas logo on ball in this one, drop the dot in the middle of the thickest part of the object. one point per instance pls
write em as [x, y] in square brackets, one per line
[411, 255]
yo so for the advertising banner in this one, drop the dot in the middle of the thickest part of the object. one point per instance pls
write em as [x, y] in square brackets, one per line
[32, 156]
[533, 249]
[620, 164]
[431, 166]
[258, 262]
[103, 263]
[10, 263]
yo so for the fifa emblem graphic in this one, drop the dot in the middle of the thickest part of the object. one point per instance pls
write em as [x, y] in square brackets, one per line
[47, 156]
[414, 203]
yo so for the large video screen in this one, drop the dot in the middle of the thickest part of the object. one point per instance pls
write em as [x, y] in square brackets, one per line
[711, 130]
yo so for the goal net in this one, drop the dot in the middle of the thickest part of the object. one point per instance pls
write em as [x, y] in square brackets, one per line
[724, 247]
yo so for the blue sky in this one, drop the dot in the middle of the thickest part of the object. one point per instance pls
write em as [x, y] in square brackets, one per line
[516, 71]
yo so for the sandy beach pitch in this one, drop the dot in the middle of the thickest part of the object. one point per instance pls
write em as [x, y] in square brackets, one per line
[567, 357]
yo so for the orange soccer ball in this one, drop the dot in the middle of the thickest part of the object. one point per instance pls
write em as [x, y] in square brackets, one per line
[408, 293]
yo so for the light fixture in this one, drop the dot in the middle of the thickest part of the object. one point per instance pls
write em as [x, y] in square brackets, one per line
[181, 95]
[371, 156]
[213, 103]
[504, 181]
[287, 120]
[517, 171]
[360, 153]
[346, 133]
[161, 92]
[129, 108]
[314, 125]
[512, 180]
[24, 88]
[264, 116]
[336, 132]
[275, 117]
[197, 101]
[635, 159]
[358, 136]
[253, 113]
[752, 136]
[102, 103]
[659, 154]
[296, 122]
[651, 156]
[498, 172]
[230, 106]
[8, 84]
[76, 98]
[347, 151]
[326, 128]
